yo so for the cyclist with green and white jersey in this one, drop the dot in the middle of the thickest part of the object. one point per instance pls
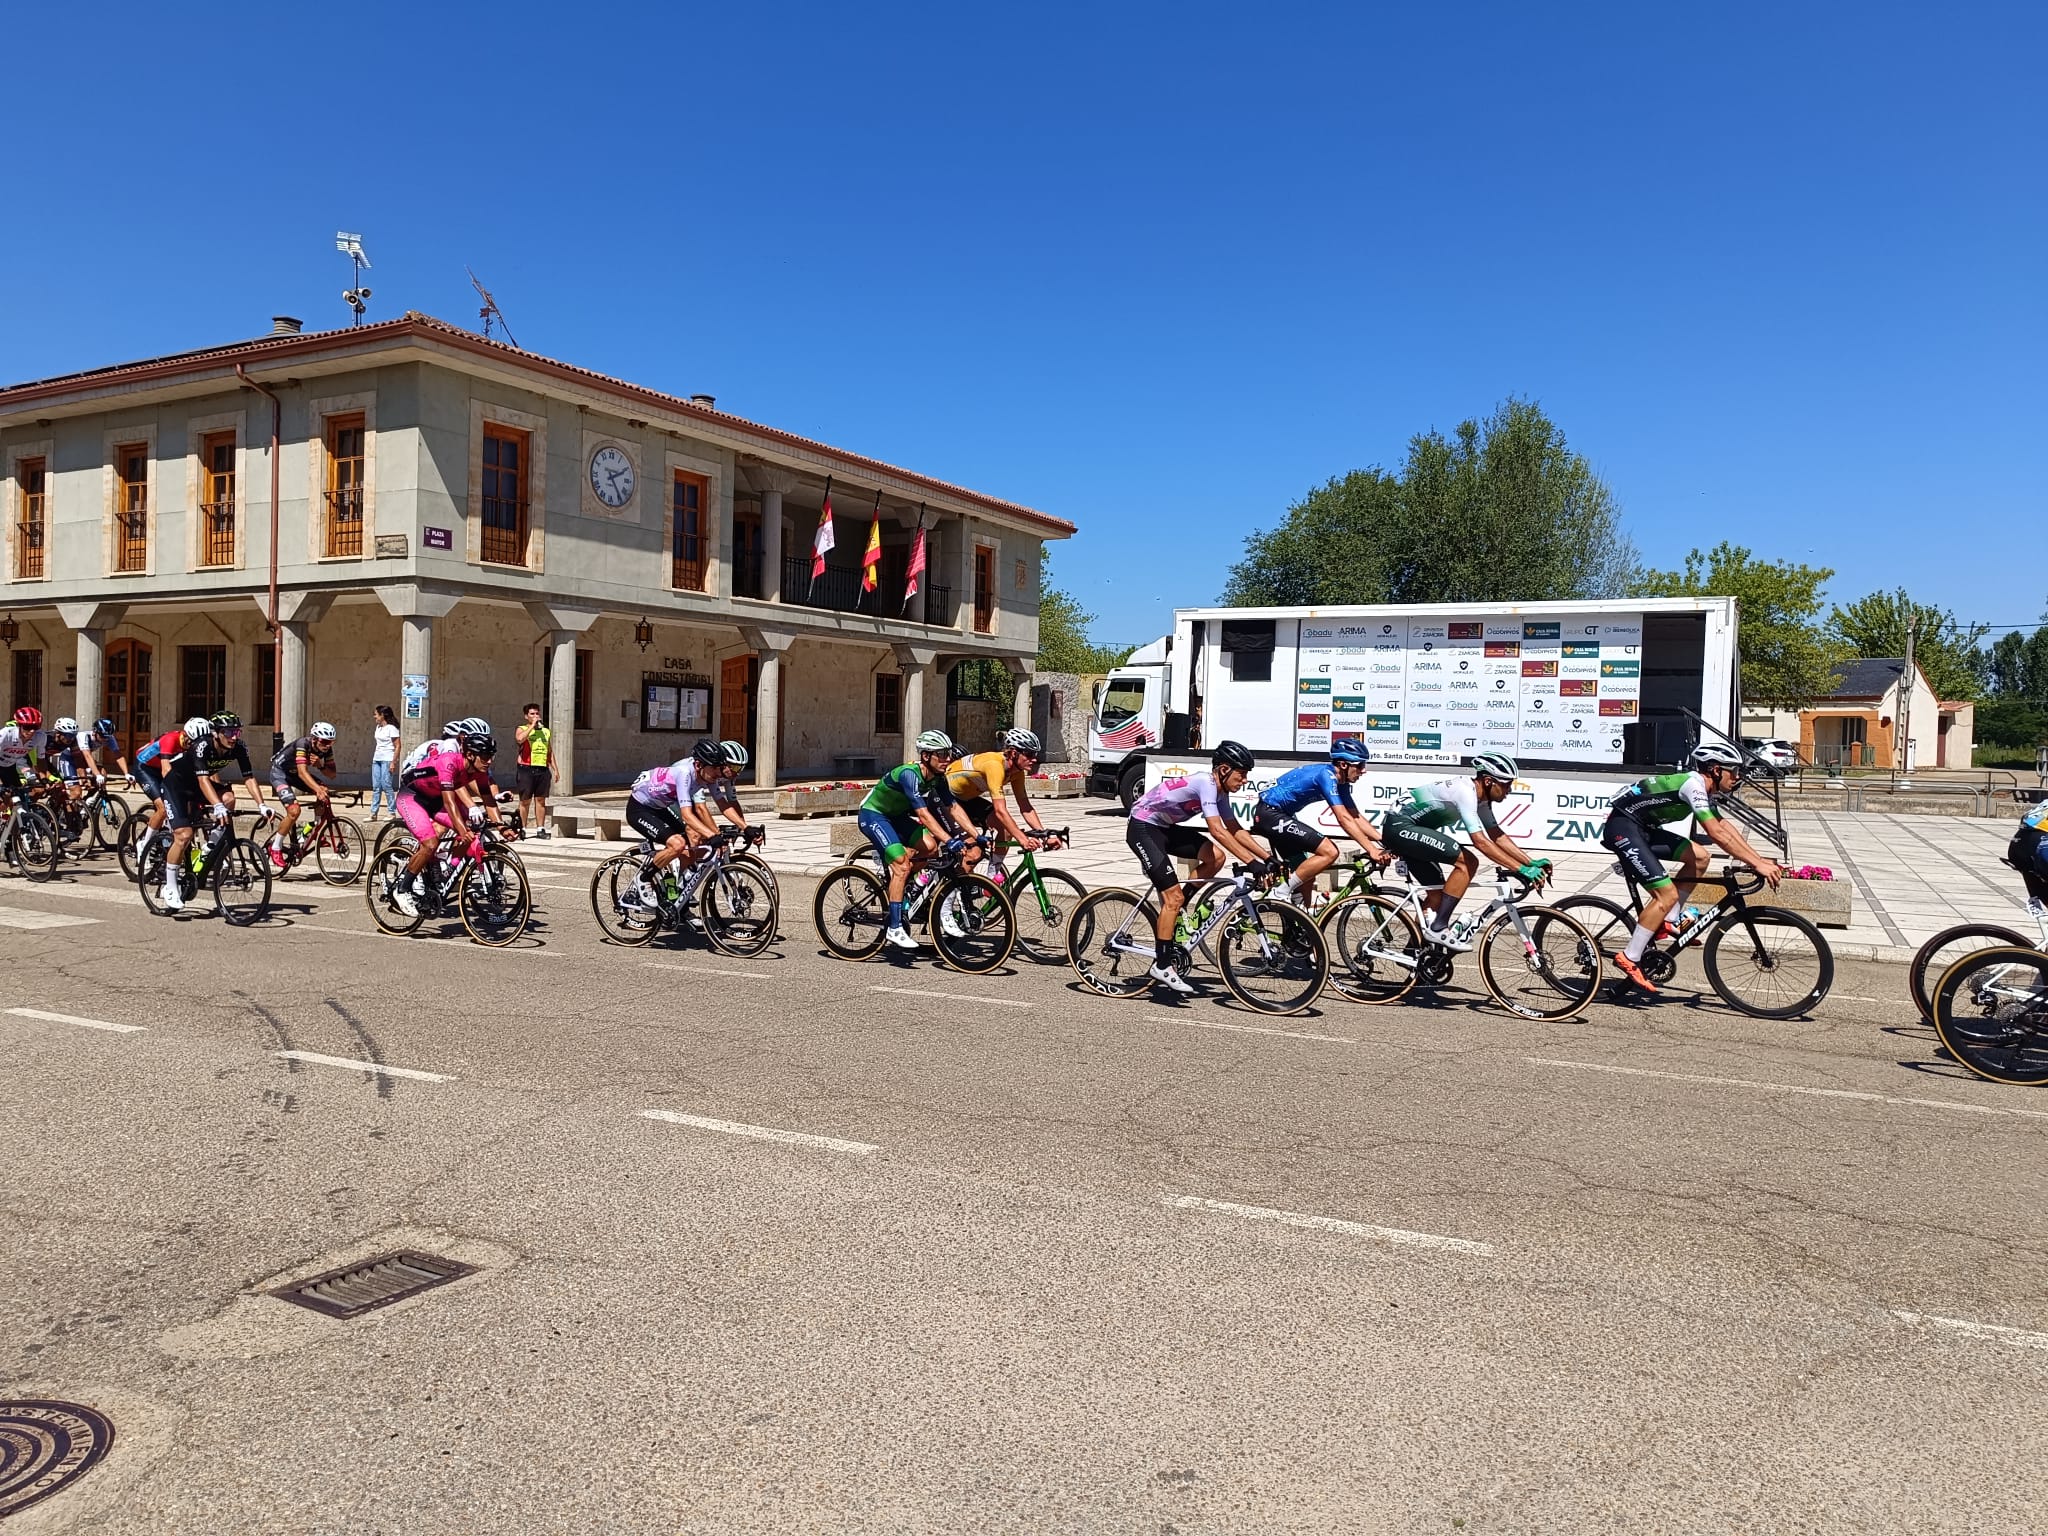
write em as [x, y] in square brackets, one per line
[1639, 832]
[901, 818]
[1422, 831]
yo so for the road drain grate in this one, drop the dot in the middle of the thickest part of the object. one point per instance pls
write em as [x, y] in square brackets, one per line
[43, 1446]
[358, 1288]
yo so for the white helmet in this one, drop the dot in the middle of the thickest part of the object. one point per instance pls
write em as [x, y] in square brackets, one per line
[1715, 754]
[321, 731]
[199, 728]
[64, 725]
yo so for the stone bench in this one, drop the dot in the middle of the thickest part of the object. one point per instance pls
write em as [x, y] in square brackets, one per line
[607, 826]
[854, 764]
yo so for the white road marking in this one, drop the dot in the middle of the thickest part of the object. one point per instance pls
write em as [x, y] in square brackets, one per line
[1291, 1034]
[23, 917]
[762, 1132]
[378, 933]
[2018, 1337]
[1816, 1093]
[280, 891]
[377, 1069]
[70, 1018]
[705, 970]
[1330, 1224]
[957, 997]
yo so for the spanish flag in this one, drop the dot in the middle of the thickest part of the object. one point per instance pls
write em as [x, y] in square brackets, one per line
[871, 561]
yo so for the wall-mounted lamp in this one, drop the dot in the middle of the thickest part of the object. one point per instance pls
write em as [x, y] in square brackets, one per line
[643, 634]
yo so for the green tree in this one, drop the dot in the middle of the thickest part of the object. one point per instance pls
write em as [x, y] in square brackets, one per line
[1788, 659]
[2016, 666]
[1063, 643]
[1943, 649]
[1500, 511]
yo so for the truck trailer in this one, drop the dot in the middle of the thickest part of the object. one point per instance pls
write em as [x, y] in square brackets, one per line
[1585, 696]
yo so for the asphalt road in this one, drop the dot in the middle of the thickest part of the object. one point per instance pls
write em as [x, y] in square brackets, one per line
[1049, 1262]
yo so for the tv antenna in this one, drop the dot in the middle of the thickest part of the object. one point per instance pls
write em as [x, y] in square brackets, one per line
[356, 296]
[490, 311]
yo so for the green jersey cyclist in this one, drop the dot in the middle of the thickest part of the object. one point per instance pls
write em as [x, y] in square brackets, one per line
[1156, 835]
[1422, 828]
[901, 818]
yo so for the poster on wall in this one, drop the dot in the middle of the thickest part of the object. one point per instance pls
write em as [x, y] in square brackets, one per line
[1437, 690]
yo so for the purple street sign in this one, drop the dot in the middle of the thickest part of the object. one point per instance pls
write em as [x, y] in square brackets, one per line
[440, 538]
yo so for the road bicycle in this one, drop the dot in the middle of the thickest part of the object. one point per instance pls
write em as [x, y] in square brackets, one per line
[1991, 1013]
[1535, 961]
[1271, 954]
[1932, 960]
[728, 893]
[395, 831]
[474, 870]
[235, 871]
[1763, 961]
[1041, 897]
[90, 820]
[335, 842]
[30, 837]
[968, 919]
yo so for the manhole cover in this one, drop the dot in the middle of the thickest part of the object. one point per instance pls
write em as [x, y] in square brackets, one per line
[358, 1288]
[45, 1445]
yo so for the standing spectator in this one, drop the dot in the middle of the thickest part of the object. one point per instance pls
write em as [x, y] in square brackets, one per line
[535, 777]
[384, 762]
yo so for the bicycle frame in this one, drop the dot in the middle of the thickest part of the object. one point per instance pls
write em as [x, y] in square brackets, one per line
[1029, 866]
[1236, 897]
[1505, 898]
[1728, 910]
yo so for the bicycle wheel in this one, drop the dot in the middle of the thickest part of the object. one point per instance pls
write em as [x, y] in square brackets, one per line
[386, 869]
[1378, 942]
[1042, 922]
[36, 845]
[495, 900]
[971, 924]
[339, 851]
[1554, 977]
[109, 813]
[620, 923]
[1274, 957]
[851, 911]
[1932, 960]
[756, 862]
[129, 840]
[241, 882]
[738, 905]
[1110, 941]
[1991, 1012]
[392, 834]
[149, 878]
[1777, 965]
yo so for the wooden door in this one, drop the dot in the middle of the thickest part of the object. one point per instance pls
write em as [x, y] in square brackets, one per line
[736, 700]
[130, 673]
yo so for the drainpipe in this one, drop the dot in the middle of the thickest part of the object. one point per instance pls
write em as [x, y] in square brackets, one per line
[276, 629]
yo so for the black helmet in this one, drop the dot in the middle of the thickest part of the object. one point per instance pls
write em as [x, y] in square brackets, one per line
[226, 720]
[1233, 754]
[480, 744]
[710, 753]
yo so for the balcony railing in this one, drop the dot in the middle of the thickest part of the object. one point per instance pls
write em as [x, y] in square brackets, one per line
[839, 589]
[746, 573]
[938, 607]
[504, 540]
[131, 537]
[344, 522]
[217, 523]
[28, 546]
[687, 575]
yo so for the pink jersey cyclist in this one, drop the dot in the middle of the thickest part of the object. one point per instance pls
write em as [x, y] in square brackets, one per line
[1173, 800]
[421, 803]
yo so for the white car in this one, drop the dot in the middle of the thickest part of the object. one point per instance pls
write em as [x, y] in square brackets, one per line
[1774, 752]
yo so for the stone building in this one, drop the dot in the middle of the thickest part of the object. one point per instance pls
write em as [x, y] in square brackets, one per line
[1856, 723]
[453, 526]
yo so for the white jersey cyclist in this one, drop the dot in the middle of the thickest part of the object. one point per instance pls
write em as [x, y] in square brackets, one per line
[1173, 801]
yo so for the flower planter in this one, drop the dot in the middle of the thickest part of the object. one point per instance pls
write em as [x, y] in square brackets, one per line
[825, 800]
[1825, 903]
[1055, 786]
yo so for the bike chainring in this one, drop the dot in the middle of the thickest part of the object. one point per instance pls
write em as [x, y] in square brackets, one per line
[1659, 965]
[1435, 967]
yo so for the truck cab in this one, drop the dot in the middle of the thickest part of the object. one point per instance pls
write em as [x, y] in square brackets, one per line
[1127, 721]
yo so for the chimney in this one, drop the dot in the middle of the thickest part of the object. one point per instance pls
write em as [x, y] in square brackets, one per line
[707, 401]
[284, 325]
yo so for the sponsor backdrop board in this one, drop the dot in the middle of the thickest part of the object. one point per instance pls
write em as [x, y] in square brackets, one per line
[1438, 690]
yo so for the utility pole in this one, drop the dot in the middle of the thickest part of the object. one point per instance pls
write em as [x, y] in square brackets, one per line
[1906, 707]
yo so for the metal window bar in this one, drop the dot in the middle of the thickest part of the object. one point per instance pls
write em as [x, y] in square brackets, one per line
[504, 540]
[28, 544]
[344, 521]
[217, 544]
[132, 536]
[746, 573]
[687, 574]
[938, 607]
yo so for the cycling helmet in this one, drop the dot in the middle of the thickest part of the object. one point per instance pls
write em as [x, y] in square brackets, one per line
[1495, 765]
[1023, 741]
[226, 720]
[480, 744]
[28, 717]
[1347, 749]
[735, 754]
[322, 731]
[936, 741]
[1714, 754]
[64, 725]
[104, 727]
[710, 753]
[1233, 754]
[198, 729]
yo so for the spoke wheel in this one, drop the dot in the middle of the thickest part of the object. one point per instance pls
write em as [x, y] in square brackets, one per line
[738, 904]
[1274, 957]
[394, 833]
[1110, 941]
[35, 846]
[620, 923]
[241, 882]
[1042, 926]
[339, 851]
[1934, 958]
[109, 813]
[971, 924]
[1769, 963]
[386, 870]
[1556, 980]
[851, 911]
[1991, 1012]
[1377, 942]
[128, 840]
[1610, 923]
[495, 901]
[150, 878]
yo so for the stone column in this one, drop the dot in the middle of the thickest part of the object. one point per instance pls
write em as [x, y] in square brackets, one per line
[560, 628]
[90, 621]
[1020, 675]
[768, 645]
[291, 678]
[771, 483]
[416, 609]
[915, 661]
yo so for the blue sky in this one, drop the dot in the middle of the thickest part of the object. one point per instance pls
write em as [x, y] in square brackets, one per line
[1776, 269]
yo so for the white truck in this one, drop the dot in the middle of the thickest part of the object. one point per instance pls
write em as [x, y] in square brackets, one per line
[1586, 696]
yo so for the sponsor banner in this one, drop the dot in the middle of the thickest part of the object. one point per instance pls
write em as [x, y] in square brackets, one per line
[1504, 647]
[1579, 687]
[1539, 669]
[1315, 685]
[1619, 708]
[1582, 647]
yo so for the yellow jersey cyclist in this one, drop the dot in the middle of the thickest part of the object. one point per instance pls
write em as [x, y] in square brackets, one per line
[1156, 834]
[901, 818]
[303, 765]
[1422, 830]
[978, 782]
[1276, 818]
[1639, 833]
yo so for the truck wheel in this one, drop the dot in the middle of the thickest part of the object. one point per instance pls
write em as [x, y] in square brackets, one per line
[1130, 784]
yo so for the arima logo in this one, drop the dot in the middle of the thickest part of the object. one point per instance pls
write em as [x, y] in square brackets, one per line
[1582, 743]
[1464, 685]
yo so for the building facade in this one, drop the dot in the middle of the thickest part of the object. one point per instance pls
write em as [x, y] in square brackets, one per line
[446, 524]
[1857, 722]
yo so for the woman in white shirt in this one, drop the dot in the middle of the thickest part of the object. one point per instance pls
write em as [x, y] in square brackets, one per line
[383, 761]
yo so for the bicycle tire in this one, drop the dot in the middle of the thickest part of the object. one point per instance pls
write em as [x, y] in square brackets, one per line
[1375, 969]
[620, 924]
[1543, 984]
[36, 845]
[109, 813]
[339, 851]
[851, 912]
[755, 861]
[494, 899]
[1609, 922]
[1278, 964]
[739, 907]
[129, 841]
[1094, 923]
[149, 879]
[2001, 1037]
[240, 882]
[385, 870]
[1759, 921]
[1042, 929]
[392, 833]
[977, 906]
[1930, 964]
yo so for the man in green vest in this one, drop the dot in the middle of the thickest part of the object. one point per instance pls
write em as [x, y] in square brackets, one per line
[535, 777]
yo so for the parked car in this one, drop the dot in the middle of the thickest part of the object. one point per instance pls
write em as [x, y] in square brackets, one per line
[1774, 752]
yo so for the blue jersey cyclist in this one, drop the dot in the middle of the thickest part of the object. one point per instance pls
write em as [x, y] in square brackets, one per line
[1276, 817]
[1156, 834]
[902, 817]
[2028, 853]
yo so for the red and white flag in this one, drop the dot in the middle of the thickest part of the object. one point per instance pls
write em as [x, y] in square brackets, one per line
[823, 540]
[916, 563]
